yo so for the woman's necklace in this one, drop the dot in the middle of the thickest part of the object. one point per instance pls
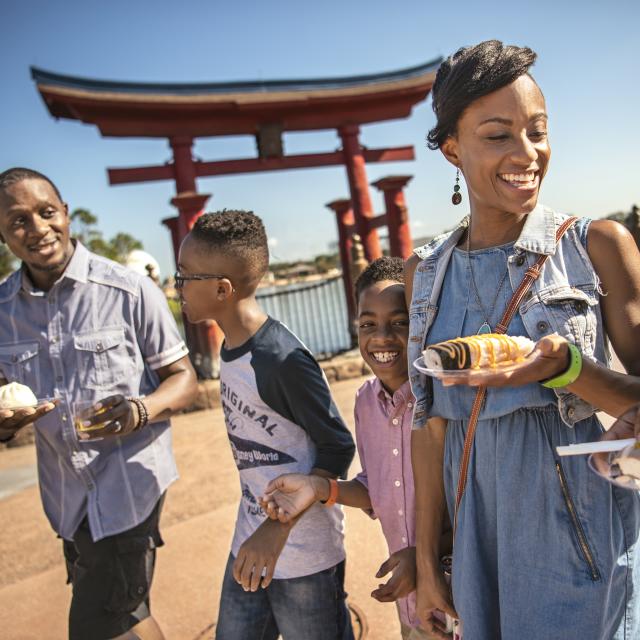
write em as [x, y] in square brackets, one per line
[485, 327]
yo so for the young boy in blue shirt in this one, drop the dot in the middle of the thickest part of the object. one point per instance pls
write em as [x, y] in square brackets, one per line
[281, 578]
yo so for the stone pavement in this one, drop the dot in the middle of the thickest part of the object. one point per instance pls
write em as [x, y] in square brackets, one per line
[197, 525]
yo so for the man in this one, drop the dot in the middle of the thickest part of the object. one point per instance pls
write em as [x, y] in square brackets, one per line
[78, 328]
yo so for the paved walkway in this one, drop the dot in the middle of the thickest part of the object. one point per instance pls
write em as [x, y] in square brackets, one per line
[197, 525]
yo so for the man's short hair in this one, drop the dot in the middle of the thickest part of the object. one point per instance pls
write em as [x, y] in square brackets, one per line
[238, 234]
[385, 268]
[17, 174]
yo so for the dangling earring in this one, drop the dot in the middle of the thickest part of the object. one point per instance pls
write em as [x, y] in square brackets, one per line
[456, 198]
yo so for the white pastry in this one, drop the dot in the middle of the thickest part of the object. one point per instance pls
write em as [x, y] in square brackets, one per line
[15, 395]
[480, 351]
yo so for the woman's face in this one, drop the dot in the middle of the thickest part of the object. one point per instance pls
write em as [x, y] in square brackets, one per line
[501, 147]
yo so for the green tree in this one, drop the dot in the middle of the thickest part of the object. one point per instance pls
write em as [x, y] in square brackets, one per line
[325, 262]
[83, 225]
[618, 216]
[6, 261]
[123, 244]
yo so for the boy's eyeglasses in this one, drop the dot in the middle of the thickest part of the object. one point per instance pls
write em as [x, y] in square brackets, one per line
[180, 279]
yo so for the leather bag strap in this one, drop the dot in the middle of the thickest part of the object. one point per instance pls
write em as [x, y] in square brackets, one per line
[531, 275]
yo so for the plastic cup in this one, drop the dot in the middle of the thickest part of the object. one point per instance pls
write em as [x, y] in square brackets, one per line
[84, 410]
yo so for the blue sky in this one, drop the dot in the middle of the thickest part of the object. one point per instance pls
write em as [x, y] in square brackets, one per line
[588, 68]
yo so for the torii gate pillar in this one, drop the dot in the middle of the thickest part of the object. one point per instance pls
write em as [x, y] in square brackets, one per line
[345, 221]
[400, 244]
[204, 339]
[359, 187]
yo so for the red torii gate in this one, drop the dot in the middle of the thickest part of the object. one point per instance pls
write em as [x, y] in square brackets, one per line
[182, 112]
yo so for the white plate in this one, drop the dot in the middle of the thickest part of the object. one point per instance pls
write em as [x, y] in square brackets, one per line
[586, 448]
[40, 402]
[461, 374]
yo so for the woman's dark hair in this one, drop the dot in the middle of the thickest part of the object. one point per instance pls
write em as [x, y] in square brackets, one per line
[469, 74]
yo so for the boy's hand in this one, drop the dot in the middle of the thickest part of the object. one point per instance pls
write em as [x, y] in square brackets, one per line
[259, 554]
[433, 594]
[402, 564]
[291, 494]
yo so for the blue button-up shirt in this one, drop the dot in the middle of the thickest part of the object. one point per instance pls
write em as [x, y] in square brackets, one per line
[101, 329]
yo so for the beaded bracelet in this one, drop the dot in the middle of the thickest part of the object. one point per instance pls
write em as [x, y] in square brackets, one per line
[143, 414]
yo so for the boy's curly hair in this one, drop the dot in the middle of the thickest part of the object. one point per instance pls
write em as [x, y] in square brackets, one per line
[385, 268]
[237, 233]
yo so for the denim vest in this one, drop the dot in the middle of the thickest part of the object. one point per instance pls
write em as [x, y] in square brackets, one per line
[563, 300]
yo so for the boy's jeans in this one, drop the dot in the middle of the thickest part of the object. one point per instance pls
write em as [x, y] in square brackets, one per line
[312, 607]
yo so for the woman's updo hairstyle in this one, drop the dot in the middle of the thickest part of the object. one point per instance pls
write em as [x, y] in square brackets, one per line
[469, 74]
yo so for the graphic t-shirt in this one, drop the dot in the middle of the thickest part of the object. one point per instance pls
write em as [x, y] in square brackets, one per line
[281, 418]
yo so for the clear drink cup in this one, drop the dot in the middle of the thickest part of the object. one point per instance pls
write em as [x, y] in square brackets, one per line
[84, 410]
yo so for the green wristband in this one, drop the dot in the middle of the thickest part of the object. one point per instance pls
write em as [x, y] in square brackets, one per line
[570, 374]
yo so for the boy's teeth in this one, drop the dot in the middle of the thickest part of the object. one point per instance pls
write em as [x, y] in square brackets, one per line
[385, 356]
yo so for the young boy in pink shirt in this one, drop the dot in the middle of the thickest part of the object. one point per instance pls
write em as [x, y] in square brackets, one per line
[383, 411]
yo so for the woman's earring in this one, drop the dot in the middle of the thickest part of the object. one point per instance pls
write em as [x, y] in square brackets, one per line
[456, 198]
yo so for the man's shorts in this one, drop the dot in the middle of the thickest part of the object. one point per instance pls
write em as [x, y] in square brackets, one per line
[111, 578]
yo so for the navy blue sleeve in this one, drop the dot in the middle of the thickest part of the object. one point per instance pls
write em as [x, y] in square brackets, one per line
[295, 387]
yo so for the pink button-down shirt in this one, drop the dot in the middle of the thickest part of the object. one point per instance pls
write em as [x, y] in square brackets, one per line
[383, 435]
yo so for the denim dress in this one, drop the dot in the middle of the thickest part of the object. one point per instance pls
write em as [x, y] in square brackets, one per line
[544, 548]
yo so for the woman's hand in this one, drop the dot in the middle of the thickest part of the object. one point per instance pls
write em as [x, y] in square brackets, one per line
[549, 358]
[433, 597]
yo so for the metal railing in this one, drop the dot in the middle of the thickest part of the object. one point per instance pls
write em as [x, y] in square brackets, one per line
[316, 313]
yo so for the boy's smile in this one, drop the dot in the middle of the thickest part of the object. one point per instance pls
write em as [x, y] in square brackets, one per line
[383, 331]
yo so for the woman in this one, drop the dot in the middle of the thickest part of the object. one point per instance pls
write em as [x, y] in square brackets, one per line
[543, 547]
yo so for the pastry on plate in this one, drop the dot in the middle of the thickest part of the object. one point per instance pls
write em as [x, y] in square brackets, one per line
[15, 395]
[479, 351]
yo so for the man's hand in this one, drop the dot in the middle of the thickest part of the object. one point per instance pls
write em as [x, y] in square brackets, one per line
[12, 420]
[402, 564]
[256, 561]
[289, 495]
[117, 415]
[432, 595]
[548, 359]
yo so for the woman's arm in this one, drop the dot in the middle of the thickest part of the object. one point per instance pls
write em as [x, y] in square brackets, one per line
[427, 461]
[427, 458]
